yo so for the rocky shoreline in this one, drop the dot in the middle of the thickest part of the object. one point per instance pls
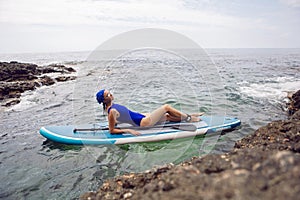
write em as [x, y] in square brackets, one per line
[263, 165]
[16, 78]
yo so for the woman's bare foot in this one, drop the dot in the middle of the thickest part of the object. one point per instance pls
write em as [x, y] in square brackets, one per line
[192, 118]
[195, 118]
[198, 114]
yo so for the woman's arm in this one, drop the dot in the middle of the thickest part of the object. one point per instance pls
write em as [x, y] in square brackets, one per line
[112, 119]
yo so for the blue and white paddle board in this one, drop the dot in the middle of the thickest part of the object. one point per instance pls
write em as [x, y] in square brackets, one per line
[66, 134]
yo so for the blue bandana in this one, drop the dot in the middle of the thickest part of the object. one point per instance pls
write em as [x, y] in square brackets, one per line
[100, 96]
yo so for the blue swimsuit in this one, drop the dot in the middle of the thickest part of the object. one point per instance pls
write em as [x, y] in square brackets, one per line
[127, 116]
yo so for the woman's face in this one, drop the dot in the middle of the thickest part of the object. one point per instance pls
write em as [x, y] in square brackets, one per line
[108, 97]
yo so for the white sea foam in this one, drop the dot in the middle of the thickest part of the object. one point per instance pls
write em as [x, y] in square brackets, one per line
[273, 89]
[28, 100]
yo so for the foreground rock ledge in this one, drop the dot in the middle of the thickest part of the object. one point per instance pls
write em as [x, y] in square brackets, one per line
[16, 78]
[263, 165]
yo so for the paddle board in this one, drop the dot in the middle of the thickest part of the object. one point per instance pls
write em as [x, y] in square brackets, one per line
[95, 134]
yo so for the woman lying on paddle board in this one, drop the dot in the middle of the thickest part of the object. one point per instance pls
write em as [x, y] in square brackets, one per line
[119, 113]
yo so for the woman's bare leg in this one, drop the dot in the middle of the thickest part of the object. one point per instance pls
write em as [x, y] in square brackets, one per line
[178, 119]
[154, 117]
[159, 114]
[171, 118]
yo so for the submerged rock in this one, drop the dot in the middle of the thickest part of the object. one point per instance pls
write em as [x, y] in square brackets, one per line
[16, 78]
[263, 165]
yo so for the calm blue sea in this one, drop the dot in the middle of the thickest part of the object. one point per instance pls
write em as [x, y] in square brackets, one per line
[250, 84]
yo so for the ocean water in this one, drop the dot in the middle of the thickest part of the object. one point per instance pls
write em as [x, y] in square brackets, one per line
[250, 84]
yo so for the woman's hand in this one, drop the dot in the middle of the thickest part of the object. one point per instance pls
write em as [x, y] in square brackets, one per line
[131, 131]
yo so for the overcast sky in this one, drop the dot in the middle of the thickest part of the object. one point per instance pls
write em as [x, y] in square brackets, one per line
[75, 25]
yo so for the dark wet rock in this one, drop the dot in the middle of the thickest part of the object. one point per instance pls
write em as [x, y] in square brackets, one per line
[244, 174]
[277, 135]
[296, 116]
[12, 102]
[263, 165]
[249, 180]
[46, 80]
[15, 71]
[14, 89]
[294, 104]
[16, 78]
[65, 78]
[55, 68]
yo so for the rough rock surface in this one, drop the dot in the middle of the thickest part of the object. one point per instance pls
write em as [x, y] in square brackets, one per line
[263, 165]
[16, 78]
[294, 104]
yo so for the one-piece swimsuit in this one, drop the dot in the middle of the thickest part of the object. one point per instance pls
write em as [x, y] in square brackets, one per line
[127, 116]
